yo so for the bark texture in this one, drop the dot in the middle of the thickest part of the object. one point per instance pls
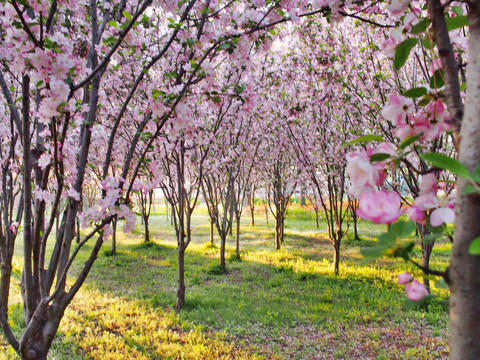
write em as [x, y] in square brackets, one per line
[464, 269]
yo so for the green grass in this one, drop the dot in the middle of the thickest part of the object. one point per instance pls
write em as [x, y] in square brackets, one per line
[269, 305]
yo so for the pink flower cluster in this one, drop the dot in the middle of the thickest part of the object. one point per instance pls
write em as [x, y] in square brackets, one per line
[364, 175]
[14, 227]
[381, 207]
[415, 290]
[430, 121]
[427, 200]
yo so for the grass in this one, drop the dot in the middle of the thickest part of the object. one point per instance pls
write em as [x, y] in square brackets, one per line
[269, 305]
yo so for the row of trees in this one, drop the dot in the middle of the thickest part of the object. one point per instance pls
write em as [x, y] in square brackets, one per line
[210, 99]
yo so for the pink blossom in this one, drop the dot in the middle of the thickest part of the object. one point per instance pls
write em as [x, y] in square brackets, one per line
[72, 193]
[39, 59]
[398, 109]
[44, 160]
[417, 215]
[397, 6]
[381, 207]
[107, 231]
[428, 183]
[388, 148]
[404, 278]
[14, 227]
[426, 201]
[416, 291]
[442, 215]
[360, 170]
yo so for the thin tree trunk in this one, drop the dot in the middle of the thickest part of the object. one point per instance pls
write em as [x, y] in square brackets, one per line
[211, 232]
[114, 237]
[302, 198]
[282, 227]
[237, 237]
[266, 213]
[78, 230]
[277, 235]
[355, 229]
[222, 252]
[426, 252]
[180, 302]
[251, 203]
[336, 259]
[147, 231]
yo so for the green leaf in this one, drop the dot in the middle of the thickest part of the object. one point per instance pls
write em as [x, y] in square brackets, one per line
[373, 252]
[441, 284]
[402, 229]
[427, 43]
[364, 138]
[402, 51]
[457, 10]
[447, 163]
[409, 141]
[127, 15]
[475, 246]
[427, 239]
[113, 23]
[415, 92]
[425, 100]
[379, 157]
[437, 80]
[463, 87]
[410, 305]
[456, 22]
[385, 242]
[437, 229]
[404, 250]
[476, 175]
[420, 27]
[469, 189]
[225, 45]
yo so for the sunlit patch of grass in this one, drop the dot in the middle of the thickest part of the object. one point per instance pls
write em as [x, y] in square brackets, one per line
[106, 327]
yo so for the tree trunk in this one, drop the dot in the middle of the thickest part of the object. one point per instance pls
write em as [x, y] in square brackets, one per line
[316, 218]
[223, 239]
[147, 231]
[78, 230]
[426, 252]
[355, 229]
[237, 237]
[282, 227]
[336, 259]
[251, 203]
[302, 198]
[114, 237]
[266, 213]
[277, 235]
[181, 279]
[464, 271]
[211, 232]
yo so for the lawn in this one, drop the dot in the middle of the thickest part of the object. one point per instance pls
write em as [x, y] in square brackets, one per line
[270, 305]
